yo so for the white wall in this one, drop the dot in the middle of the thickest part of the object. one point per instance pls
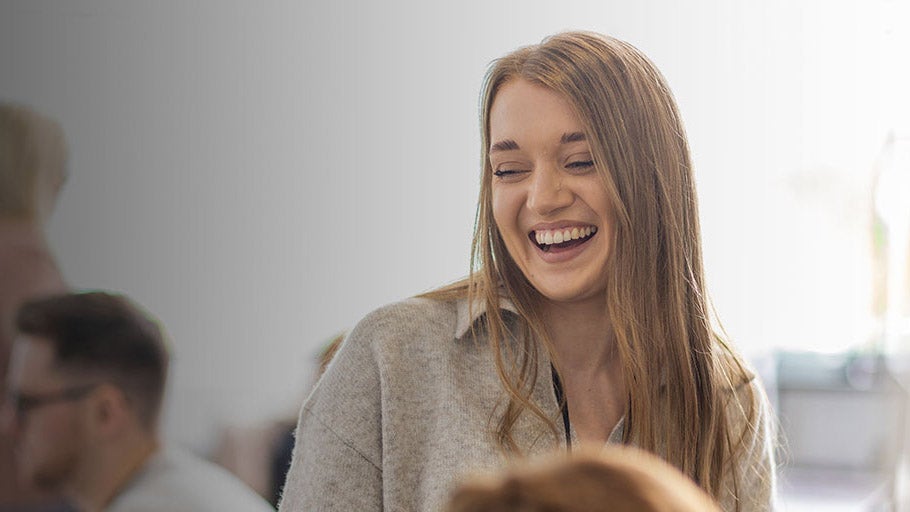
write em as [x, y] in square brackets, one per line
[261, 175]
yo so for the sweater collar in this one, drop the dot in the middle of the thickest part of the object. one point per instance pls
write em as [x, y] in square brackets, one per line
[469, 313]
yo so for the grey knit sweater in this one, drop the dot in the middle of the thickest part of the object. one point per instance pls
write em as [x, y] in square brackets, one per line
[406, 409]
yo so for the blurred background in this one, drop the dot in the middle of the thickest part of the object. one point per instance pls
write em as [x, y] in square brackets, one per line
[261, 176]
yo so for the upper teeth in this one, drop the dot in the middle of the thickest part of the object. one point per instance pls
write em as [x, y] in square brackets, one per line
[558, 236]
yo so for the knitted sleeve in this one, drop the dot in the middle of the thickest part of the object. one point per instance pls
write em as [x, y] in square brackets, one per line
[337, 459]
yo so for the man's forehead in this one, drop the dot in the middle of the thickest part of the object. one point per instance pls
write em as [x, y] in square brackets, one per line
[32, 360]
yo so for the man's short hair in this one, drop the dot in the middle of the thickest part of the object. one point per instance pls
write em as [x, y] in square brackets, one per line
[106, 337]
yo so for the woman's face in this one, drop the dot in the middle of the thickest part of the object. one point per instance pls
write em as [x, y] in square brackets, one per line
[549, 202]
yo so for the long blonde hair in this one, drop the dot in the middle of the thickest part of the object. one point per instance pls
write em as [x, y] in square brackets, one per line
[679, 371]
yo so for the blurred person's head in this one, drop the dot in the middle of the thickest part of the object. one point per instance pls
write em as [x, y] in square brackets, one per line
[85, 388]
[618, 479]
[33, 158]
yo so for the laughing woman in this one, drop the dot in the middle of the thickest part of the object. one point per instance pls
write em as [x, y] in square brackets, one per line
[584, 319]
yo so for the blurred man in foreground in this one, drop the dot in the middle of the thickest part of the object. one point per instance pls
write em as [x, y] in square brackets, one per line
[86, 382]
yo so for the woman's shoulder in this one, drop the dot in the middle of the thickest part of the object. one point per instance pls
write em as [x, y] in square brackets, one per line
[413, 326]
[409, 317]
[386, 342]
[390, 349]
[752, 434]
[750, 418]
[742, 392]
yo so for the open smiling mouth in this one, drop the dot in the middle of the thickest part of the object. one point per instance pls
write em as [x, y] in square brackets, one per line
[560, 239]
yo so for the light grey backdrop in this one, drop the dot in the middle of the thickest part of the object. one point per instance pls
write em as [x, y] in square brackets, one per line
[260, 175]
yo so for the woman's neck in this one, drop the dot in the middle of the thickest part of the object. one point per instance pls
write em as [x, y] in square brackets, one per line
[581, 334]
[589, 365]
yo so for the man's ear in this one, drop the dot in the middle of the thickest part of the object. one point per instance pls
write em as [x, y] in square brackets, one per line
[109, 410]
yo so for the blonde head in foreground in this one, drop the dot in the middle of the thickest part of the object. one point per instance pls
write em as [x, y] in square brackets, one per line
[614, 479]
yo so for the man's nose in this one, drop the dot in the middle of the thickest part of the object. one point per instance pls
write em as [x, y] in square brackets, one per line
[548, 193]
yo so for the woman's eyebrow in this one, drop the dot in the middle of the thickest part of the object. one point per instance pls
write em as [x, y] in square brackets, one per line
[504, 145]
[572, 137]
[509, 144]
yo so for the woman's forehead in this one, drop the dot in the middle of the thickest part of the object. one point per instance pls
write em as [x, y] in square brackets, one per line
[521, 108]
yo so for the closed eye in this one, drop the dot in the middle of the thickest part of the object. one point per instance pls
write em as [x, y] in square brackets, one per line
[506, 173]
[581, 164]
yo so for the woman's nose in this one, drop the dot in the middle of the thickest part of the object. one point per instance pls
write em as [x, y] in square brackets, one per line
[548, 193]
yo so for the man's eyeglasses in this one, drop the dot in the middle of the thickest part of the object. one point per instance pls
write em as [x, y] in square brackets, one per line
[22, 403]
